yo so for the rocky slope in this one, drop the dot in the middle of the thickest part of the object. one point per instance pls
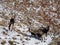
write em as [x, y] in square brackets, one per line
[30, 14]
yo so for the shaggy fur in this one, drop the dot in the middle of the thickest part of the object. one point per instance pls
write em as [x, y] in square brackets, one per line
[40, 32]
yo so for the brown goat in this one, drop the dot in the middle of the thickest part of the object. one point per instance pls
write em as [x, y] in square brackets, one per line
[40, 32]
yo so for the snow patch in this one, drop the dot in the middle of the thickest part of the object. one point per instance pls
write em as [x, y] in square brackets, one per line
[1, 8]
[1, 19]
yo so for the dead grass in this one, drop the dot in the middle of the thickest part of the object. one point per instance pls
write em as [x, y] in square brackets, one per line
[3, 42]
[56, 41]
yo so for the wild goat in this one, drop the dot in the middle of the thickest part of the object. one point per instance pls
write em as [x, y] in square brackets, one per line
[45, 30]
[12, 21]
[40, 32]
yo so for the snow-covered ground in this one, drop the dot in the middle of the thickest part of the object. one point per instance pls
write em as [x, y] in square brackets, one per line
[20, 39]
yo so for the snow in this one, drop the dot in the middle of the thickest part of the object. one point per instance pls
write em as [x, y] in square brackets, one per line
[0, 19]
[31, 1]
[37, 9]
[21, 38]
[28, 8]
[54, 8]
[1, 8]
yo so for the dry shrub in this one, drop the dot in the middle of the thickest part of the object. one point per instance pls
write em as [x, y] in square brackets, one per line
[3, 42]
[5, 33]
